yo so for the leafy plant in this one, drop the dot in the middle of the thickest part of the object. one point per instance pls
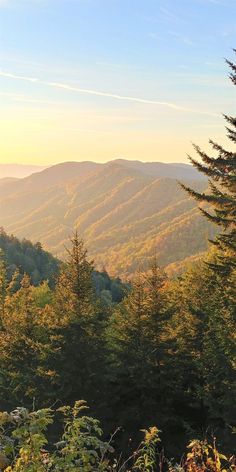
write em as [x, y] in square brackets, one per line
[24, 447]
[147, 454]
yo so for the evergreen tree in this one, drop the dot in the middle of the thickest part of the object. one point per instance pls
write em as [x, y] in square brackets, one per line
[137, 337]
[79, 327]
[74, 289]
[217, 354]
[221, 171]
[24, 349]
[204, 359]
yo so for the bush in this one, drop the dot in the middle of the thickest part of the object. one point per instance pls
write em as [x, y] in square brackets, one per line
[24, 446]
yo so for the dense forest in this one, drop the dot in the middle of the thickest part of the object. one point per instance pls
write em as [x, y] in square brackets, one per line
[28, 258]
[159, 362]
[23, 257]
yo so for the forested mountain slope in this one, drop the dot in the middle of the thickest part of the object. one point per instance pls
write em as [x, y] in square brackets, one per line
[120, 208]
[27, 258]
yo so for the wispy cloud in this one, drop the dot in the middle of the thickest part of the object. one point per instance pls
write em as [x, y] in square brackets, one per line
[185, 39]
[70, 88]
[169, 15]
[166, 15]
[22, 98]
[20, 60]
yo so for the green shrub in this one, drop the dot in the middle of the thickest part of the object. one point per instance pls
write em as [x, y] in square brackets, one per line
[24, 447]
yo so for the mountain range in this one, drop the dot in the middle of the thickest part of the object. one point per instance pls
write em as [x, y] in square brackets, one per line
[126, 211]
[18, 170]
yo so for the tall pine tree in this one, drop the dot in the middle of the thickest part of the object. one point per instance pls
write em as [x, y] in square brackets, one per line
[80, 325]
[138, 345]
[221, 171]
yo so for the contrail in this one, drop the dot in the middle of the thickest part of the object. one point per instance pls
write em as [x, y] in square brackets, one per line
[98, 93]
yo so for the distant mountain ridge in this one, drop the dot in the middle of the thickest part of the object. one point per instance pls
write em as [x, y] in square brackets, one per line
[18, 171]
[161, 169]
[125, 210]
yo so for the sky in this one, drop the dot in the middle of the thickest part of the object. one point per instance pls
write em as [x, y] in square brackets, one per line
[106, 79]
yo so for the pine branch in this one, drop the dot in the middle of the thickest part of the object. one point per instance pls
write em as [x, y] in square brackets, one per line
[215, 189]
[231, 134]
[222, 151]
[230, 119]
[208, 160]
[198, 196]
[216, 174]
[232, 66]
[212, 218]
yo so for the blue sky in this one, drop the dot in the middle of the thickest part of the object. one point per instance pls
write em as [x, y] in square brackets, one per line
[102, 79]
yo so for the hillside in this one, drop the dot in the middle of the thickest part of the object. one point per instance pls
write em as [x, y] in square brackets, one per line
[7, 180]
[28, 258]
[122, 209]
[31, 259]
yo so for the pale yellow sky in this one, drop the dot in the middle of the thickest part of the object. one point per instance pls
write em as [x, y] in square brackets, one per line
[38, 133]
